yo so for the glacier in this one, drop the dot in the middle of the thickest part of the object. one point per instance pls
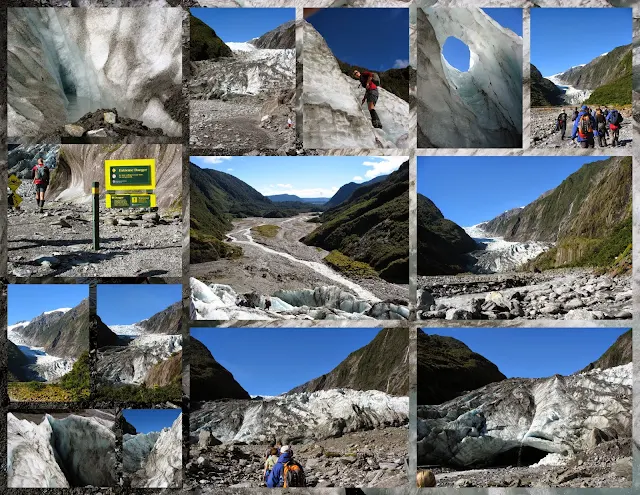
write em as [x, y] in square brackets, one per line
[60, 453]
[136, 449]
[162, 468]
[317, 415]
[78, 60]
[333, 114]
[500, 256]
[480, 108]
[572, 95]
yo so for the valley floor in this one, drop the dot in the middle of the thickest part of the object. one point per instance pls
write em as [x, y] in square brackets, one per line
[571, 294]
[369, 458]
[286, 263]
[543, 134]
[58, 242]
[608, 465]
[236, 127]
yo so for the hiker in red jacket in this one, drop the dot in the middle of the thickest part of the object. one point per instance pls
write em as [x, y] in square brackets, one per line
[40, 175]
[370, 95]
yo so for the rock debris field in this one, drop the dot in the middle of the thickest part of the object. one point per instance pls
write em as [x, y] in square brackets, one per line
[59, 242]
[562, 295]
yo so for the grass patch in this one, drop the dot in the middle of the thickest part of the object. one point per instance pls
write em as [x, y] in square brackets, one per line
[140, 393]
[332, 454]
[266, 230]
[205, 248]
[349, 267]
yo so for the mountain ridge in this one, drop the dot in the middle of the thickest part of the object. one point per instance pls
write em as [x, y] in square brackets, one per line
[347, 190]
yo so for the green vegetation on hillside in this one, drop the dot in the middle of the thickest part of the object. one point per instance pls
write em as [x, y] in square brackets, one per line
[395, 81]
[620, 353]
[617, 92]
[266, 230]
[371, 226]
[543, 92]
[140, 393]
[205, 43]
[349, 267]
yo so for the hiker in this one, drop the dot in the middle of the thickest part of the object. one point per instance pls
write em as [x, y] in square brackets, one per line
[615, 119]
[601, 125]
[40, 176]
[584, 128]
[267, 304]
[286, 472]
[271, 460]
[561, 123]
[575, 114]
[371, 94]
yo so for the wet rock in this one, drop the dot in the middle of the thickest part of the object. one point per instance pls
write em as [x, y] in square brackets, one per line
[74, 130]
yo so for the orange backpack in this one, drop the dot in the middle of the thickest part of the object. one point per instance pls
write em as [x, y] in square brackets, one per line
[293, 475]
[584, 126]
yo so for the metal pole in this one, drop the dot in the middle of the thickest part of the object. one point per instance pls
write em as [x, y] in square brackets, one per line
[95, 191]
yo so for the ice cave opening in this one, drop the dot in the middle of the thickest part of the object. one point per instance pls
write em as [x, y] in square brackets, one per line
[457, 53]
[518, 457]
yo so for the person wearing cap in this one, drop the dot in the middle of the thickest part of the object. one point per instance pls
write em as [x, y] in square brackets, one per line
[276, 477]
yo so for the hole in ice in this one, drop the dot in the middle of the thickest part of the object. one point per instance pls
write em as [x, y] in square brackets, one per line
[457, 53]
[518, 456]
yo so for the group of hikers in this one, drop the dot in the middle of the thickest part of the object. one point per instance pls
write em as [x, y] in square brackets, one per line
[281, 470]
[590, 123]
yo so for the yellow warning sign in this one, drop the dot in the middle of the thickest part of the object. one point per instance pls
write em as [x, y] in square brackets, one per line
[16, 200]
[14, 182]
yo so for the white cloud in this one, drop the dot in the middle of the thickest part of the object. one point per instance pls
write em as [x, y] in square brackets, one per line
[383, 165]
[313, 192]
[229, 170]
[400, 64]
[214, 160]
[357, 178]
[285, 186]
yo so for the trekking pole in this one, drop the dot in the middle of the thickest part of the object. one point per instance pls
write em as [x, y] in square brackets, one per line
[95, 191]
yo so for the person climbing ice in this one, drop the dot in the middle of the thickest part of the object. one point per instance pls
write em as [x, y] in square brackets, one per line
[368, 81]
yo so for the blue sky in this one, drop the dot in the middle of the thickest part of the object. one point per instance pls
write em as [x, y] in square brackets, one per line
[273, 361]
[535, 352]
[473, 189]
[120, 304]
[547, 25]
[457, 53]
[243, 24]
[26, 301]
[304, 176]
[377, 39]
[146, 420]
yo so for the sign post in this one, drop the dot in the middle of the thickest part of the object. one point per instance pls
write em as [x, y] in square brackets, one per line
[95, 191]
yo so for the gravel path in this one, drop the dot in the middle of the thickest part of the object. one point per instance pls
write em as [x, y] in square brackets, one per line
[543, 134]
[266, 272]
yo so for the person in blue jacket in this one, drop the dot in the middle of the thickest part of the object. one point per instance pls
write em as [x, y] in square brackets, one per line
[586, 139]
[275, 477]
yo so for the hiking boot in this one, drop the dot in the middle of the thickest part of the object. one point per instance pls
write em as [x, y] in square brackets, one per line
[377, 124]
[41, 210]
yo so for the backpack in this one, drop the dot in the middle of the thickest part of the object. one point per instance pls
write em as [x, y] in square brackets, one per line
[616, 117]
[42, 173]
[584, 126]
[375, 78]
[293, 475]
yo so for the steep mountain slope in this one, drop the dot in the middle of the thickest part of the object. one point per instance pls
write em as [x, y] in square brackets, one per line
[617, 91]
[346, 191]
[209, 380]
[165, 372]
[205, 43]
[620, 353]
[588, 215]
[334, 114]
[395, 81]
[441, 243]
[282, 37]
[372, 226]
[15, 361]
[62, 335]
[447, 368]
[166, 322]
[382, 365]
[543, 92]
[600, 71]
[105, 336]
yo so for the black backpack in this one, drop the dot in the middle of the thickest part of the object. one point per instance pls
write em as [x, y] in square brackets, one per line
[616, 117]
[42, 173]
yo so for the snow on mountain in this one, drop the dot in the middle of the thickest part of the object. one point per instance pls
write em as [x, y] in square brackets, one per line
[478, 108]
[163, 466]
[498, 255]
[136, 449]
[131, 363]
[317, 415]
[31, 461]
[560, 414]
[236, 46]
[60, 310]
[334, 116]
[133, 329]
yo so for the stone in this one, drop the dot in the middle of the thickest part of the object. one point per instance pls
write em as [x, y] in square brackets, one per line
[458, 314]
[425, 300]
[74, 130]
[580, 314]
[388, 465]
[623, 468]
[463, 483]
[127, 223]
[110, 117]
[623, 315]
[551, 309]
[574, 304]
[97, 133]
[62, 223]
[151, 217]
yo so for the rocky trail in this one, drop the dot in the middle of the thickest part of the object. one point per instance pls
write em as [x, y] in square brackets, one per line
[543, 134]
[284, 263]
[58, 242]
[373, 458]
[577, 294]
